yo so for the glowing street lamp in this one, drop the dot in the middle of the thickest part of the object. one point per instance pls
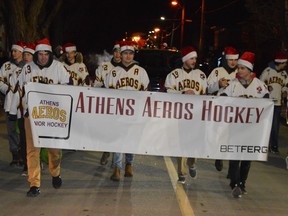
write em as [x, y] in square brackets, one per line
[156, 30]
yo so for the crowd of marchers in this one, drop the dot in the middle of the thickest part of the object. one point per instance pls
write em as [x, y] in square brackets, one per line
[234, 77]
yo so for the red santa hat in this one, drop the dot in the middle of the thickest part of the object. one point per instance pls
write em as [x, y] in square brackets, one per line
[116, 46]
[19, 45]
[247, 59]
[126, 45]
[188, 53]
[231, 53]
[69, 47]
[280, 57]
[30, 48]
[43, 45]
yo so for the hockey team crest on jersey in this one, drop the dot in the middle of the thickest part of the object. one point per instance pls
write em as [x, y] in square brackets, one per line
[259, 89]
[202, 76]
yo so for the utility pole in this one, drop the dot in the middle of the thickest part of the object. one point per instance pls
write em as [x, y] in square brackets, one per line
[182, 24]
[202, 27]
[172, 34]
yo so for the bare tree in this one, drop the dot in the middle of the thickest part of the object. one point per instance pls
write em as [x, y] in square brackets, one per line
[267, 29]
[29, 20]
[268, 21]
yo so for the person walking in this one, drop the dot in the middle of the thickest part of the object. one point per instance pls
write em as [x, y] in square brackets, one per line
[246, 85]
[220, 77]
[16, 109]
[43, 69]
[6, 71]
[276, 78]
[101, 73]
[73, 62]
[118, 78]
[190, 81]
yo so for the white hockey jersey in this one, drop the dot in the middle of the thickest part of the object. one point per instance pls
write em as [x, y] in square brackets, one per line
[214, 77]
[179, 81]
[254, 89]
[13, 96]
[277, 83]
[79, 73]
[54, 74]
[6, 71]
[133, 77]
[102, 71]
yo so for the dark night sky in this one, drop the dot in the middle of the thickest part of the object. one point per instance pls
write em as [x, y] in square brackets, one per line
[94, 25]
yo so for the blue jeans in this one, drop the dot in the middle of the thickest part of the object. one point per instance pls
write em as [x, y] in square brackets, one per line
[275, 127]
[117, 159]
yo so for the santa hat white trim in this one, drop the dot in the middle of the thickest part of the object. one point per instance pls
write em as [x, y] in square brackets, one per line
[116, 46]
[280, 60]
[26, 49]
[17, 47]
[245, 63]
[43, 47]
[189, 56]
[126, 47]
[232, 56]
[70, 49]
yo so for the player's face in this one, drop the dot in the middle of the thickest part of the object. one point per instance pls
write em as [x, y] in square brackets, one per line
[71, 56]
[127, 57]
[244, 72]
[16, 55]
[27, 57]
[190, 63]
[43, 58]
[117, 56]
[282, 66]
[232, 63]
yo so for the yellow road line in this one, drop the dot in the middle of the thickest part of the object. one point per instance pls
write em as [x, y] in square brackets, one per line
[181, 196]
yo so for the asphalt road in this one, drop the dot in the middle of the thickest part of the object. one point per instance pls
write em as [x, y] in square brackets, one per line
[88, 191]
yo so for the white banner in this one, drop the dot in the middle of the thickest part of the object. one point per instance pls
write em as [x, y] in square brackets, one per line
[150, 123]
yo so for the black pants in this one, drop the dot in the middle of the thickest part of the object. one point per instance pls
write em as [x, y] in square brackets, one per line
[22, 137]
[275, 128]
[238, 171]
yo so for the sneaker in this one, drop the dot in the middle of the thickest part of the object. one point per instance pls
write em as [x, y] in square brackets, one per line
[33, 192]
[104, 158]
[181, 179]
[24, 173]
[274, 150]
[244, 191]
[237, 192]
[242, 187]
[286, 162]
[219, 165]
[56, 182]
[193, 172]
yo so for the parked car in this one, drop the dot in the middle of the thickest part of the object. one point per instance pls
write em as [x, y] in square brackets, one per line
[158, 63]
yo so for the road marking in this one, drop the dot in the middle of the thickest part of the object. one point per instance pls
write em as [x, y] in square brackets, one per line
[181, 196]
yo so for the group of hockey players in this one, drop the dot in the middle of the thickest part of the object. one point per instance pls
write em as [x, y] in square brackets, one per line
[36, 63]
